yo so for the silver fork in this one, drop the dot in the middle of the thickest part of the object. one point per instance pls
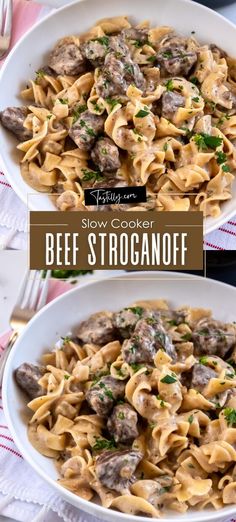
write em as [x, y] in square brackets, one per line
[6, 14]
[32, 297]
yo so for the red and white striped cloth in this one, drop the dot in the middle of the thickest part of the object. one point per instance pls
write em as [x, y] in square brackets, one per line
[23, 494]
[13, 213]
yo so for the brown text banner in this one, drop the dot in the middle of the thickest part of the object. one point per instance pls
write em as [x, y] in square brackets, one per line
[116, 240]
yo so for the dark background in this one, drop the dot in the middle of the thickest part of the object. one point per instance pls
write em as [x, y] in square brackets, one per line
[214, 4]
[220, 266]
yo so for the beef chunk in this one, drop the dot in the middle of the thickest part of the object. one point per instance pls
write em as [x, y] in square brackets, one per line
[97, 329]
[126, 320]
[149, 336]
[27, 377]
[115, 469]
[106, 155]
[86, 129]
[96, 50]
[13, 119]
[117, 74]
[174, 57]
[101, 396]
[213, 338]
[217, 50]
[201, 376]
[67, 59]
[171, 101]
[122, 424]
[134, 33]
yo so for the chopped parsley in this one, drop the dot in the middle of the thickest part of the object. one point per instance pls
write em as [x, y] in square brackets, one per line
[138, 310]
[66, 377]
[223, 119]
[142, 114]
[165, 147]
[91, 175]
[121, 415]
[221, 157]
[129, 68]
[101, 444]
[151, 59]
[164, 490]
[104, 151]
[103, 40]
[107, 391]
[169, 379]
[172, 322]
[225, 168]
[205, 141]
[196, 99]
[39, 75]
[49, 116]
[167, 54]
[194, 80]
[230, 415]
[169, 85]
[191, 419]
[162, 403]
[78, 111]
[136, 367]
[203, 360]
[112, 102]
[186, 337]
[64, 101]
[66, 339]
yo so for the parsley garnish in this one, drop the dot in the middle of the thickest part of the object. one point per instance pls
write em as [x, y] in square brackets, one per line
[205, 141]
[221, 157]
[78, 111]
[164, 490]
[230, 415]
[172, 322]
[194, 80]
[39, 75]
[121, 415]
[196, 99]
[129, 68]
[138, 310]
[169, 379]
[112, 102]
[101, 444]
[225, 168]
[203, 360]
[191, 419]
[64, 101]
[141, 114]
[91, 175]
[151, 59]
[169, 85]
[186, 337]
[136, 367]
[66, 377]
[103, 40]
[167, 54]
[165, 147]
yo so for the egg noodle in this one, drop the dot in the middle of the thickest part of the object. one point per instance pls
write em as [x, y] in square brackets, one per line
[184, 154]
[143, 437]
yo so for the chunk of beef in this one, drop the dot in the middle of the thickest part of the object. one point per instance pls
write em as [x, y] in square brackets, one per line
[174, 57]
[13, 119]
[126, 320]
[96, 50]
[217, 50]
[136, 34]
[213, 338]
[67, 59]
[115, 469]
[117, 74]
[27, 377]
[149, 336]
[86, 129]
[201, 376]
[102, 396]
[122, 423]
[97, 329]
[105, 155]
[171, 102]
[174, 317]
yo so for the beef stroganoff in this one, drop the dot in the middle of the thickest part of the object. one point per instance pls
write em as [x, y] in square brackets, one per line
[138, 409]
[130, 105]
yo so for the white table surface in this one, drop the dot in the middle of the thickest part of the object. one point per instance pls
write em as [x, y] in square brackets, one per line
[13, 264]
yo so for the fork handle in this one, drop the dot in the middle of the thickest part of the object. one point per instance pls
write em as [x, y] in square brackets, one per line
[6, 352]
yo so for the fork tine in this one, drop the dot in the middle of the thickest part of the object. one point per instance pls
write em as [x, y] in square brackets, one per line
[28, 289]
[22, 288]
[44, 291]
[35, 291]
[2, 2]
[8, 20]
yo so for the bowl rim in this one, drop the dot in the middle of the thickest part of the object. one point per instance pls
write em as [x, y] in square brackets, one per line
[207, 228]
[64, 493]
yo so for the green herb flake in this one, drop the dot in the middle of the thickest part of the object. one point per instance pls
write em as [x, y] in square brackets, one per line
[103, 40]
[186, 337]
[91, 175]
[191, 419]
[230, 415]
[205, 141]
[112, 102]
[221, 157]
[66, 377]
[165, 147]
[136, 367]
[169, 85]
[164, 490]
[194, 80]
[138, 310]
[151, 59]
[169, 379]
[141, 114]
[78, 111]
[64, 101]
[167, 54]
[203, 360]
[196, 99]
[102, 444]
[225, 168]
[121, 415]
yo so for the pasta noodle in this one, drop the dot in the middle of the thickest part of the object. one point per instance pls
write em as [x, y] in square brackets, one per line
[125, 105]
[138, 409]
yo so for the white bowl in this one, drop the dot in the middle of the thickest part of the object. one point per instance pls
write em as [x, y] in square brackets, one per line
[52, 322]
[31, 52]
